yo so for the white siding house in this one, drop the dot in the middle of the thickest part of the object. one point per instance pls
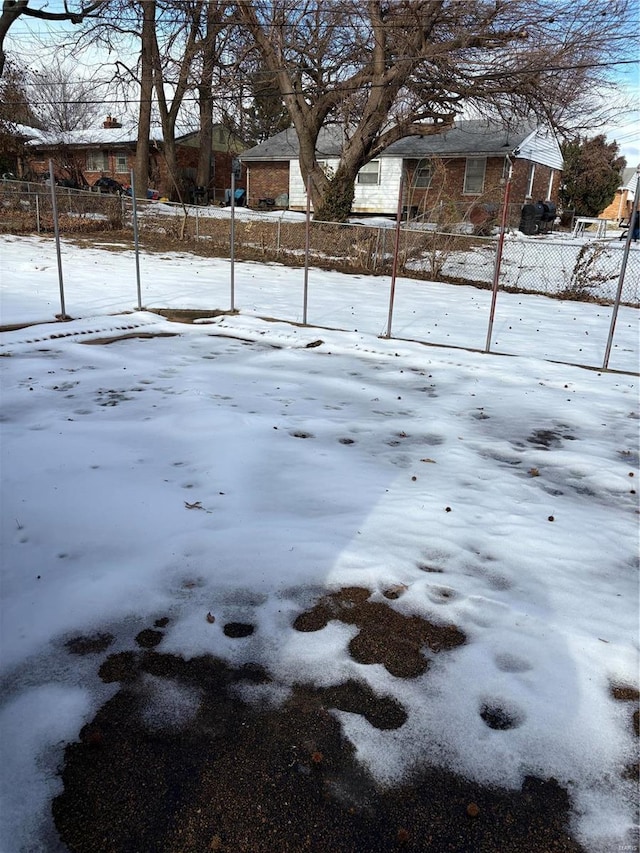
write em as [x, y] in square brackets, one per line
[474, 154]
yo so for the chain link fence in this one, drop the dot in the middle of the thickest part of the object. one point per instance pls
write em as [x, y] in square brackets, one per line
[464, 252]
[26, 208]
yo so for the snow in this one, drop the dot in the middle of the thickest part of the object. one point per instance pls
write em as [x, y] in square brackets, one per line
[229, 467]
[424, 311]
[96, 135]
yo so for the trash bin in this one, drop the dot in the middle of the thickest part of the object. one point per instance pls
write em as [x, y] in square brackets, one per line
[548, 217]
[200, 195]
[530, 217]
[240, 196]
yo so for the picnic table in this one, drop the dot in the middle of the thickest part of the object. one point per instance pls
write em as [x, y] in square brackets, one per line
[583, 222]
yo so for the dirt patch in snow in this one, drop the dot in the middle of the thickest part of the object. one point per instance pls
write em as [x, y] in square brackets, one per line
[386, 636]
[193, 755]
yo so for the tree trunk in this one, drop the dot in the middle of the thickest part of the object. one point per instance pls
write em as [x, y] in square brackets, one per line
[174, 189]
[141, 168]
[203, 174]
[10, 14]
[335, 203]
[169, 113]
[309, 166]
[335, 198]
[13, 9]
[205, 99]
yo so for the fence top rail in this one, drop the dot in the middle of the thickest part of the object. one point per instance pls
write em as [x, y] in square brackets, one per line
[45, 186]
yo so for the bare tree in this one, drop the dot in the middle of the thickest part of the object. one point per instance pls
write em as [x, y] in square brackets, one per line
[166, 53]
[181, 46]
[386, 69]
[126, 31]
[12, 10]
[189, 50]
[171, 76]
[61, 101]
[213, 45]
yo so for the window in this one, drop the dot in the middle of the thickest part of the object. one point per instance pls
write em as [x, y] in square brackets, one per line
[422, 175]
[97, 161]
[532, 174]
[474, 175]
[370, 173]
[122, 164]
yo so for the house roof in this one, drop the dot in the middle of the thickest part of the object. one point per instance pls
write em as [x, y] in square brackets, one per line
[96, 137]
[629, 181]
[24, 131]
[126, 135]
[466, 138]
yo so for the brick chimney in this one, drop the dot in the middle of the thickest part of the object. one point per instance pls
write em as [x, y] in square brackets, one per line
[111, 123]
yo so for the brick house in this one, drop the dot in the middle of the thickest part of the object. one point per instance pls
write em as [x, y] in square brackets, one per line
[463, 165]
[84, 156]
[620, 208]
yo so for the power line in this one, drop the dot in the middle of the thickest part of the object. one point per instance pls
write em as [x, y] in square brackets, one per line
[249, 79]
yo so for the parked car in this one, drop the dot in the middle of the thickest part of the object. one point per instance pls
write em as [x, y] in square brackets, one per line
[70, 184]
[109, 185]
[45, 177]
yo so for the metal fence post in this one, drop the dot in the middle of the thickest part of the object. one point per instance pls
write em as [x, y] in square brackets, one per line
[56, 231]
[307, 244]
[498, 261]
[394, 270]
[136, 244]
[377, 249]
[232, 248]
[37, 211]
[623, 269]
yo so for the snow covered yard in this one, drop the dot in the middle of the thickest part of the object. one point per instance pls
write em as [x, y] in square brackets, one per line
[271, 495]
[99, 283]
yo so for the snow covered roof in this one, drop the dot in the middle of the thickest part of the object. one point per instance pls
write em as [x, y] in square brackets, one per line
[25, 131]
[126, 135]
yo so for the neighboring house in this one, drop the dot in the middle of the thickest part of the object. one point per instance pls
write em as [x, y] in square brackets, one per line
[464, 164]
[84, 156]
[620, 208]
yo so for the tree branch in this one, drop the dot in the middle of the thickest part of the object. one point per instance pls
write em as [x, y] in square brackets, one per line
[14, 9]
